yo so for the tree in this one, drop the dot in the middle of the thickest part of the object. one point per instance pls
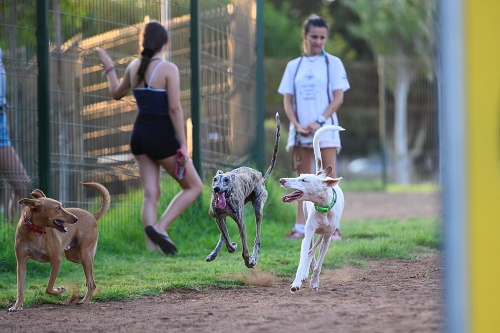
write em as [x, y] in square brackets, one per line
[402, 32]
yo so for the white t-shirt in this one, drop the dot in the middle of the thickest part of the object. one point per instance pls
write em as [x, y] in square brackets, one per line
[311, 93]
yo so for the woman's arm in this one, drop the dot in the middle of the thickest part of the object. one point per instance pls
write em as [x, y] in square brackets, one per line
[174, 102]
[290, 113]
[116, 89]
[338, 99]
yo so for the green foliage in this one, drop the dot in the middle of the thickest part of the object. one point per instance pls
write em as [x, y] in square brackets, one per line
[124, 269]
[341, 42]
[282, 35]
[396, 28]
[12, 13]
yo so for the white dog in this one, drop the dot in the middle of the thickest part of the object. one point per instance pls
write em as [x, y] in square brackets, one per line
[323, 203]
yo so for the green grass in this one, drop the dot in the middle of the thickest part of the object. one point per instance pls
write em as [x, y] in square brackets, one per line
[123, 269]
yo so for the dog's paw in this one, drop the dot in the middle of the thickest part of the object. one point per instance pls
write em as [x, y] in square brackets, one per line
[294, 288]
[16, 307]
[211, 256]
[314, 286]
[232, 248]
[56, 291]
[251, 263]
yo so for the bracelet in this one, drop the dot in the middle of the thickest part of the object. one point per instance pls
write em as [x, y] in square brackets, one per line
[321, 120]
[109, 69]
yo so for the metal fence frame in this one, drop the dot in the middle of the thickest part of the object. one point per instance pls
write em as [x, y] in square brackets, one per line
[88, 132]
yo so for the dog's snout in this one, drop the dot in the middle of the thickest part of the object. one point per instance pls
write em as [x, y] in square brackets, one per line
[282, 181]
[216, 189]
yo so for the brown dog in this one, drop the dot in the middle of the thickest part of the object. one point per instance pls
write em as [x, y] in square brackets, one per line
[45, 229]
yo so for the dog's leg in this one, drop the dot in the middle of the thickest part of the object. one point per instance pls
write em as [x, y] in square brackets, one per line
[55, 265]
[312, 251]
[259, 211]
[325, 243]
[221, 223]
[87, 255]
[243, 236]
[215, 251]
[256, 247]
[304, 263]
[21, 280]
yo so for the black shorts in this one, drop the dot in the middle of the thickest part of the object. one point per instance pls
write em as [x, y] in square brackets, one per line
[154, 136]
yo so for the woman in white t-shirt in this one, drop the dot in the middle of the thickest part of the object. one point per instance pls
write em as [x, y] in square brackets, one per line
[313, 87]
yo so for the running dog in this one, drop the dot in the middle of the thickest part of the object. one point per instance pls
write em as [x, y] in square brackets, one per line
[230, 192]
[323, 203]
[45, 229]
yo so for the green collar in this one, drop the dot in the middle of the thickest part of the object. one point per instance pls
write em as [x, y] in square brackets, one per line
[323, 209]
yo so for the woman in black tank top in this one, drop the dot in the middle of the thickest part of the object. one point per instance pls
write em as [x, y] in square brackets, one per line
[158, 138]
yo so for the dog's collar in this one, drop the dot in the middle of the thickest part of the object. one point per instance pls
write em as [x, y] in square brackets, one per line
[325, 209]
[33, 227]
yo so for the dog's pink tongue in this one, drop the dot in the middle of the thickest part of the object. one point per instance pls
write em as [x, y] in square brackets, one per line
[221, 200]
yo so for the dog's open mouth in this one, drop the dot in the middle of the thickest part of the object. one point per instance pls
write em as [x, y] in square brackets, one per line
[293, 196]
[220, 200]
[60, 226]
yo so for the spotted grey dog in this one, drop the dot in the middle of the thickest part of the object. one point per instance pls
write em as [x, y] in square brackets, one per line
[230, 192]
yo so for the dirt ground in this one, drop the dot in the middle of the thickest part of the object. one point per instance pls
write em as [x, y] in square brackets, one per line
[386, 296]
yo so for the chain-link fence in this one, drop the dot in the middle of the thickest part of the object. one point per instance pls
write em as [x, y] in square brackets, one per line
[89, 132]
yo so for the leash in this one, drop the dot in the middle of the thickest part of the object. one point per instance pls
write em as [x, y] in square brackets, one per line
[33, 227]
[325, 209]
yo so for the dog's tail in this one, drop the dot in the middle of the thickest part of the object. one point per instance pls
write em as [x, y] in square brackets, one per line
[317, 151]
[106, 198]
[275, 151]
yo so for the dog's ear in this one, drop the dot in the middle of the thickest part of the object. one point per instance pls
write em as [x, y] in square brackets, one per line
[31, 203]
[331, 182]
[233, 177]
[37, 194]
[219, 172]
[326, 171]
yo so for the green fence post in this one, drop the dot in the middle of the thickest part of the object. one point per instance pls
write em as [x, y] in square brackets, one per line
[260, 82]
[42, 50]
[195, 84]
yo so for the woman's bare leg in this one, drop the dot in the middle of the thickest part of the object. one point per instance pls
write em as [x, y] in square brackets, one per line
[13, 170]
[149, 172]
[191, 186]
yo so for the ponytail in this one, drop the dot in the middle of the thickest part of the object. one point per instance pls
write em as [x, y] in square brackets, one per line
[154, 37]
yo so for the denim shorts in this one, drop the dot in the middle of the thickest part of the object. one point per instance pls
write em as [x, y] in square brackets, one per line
[4, 130]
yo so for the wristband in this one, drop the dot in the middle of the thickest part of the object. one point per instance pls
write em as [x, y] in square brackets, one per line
[321, 120]
[109, 69]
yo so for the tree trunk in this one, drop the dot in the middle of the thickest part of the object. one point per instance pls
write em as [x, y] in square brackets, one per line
[401, 158]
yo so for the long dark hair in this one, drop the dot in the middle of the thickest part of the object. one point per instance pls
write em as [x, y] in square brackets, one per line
[313, 21]
[154, 36]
